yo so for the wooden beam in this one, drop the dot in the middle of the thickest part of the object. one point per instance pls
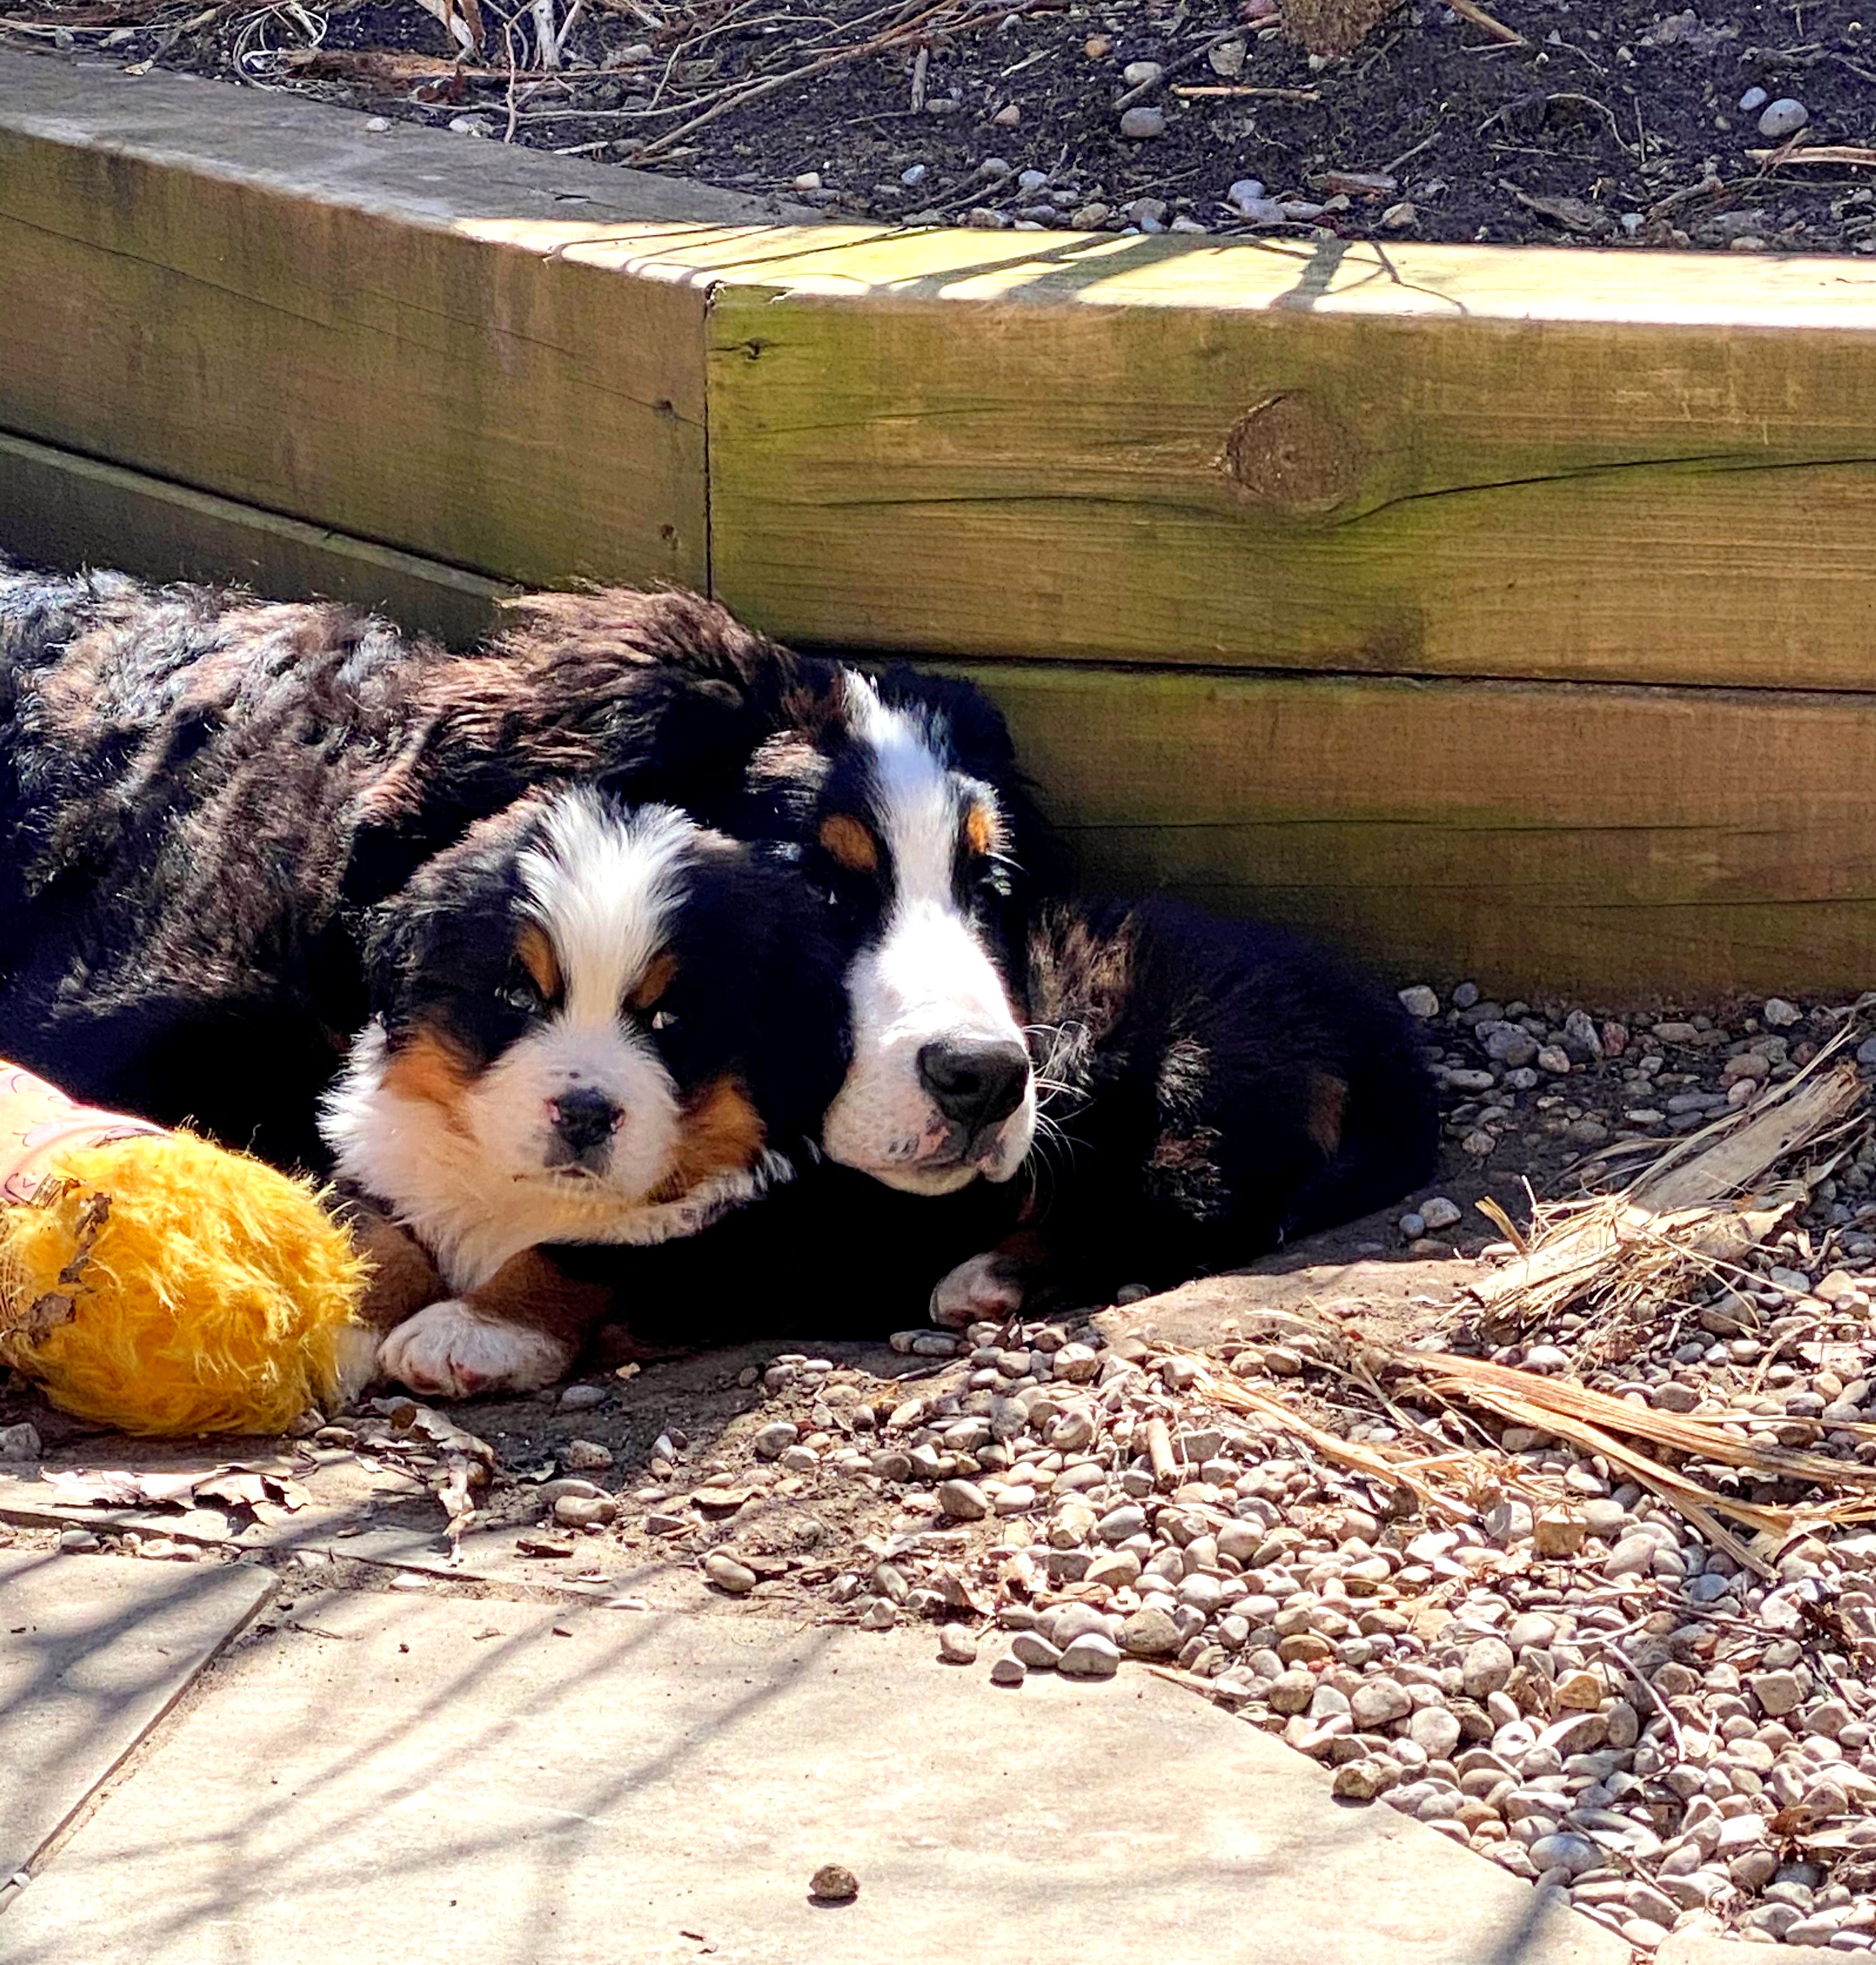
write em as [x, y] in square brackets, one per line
[1615, 466]
[66, 511]
[264, 301]
[1545, 837]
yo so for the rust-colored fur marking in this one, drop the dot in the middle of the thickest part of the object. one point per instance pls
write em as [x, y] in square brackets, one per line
[721, 1132]
[428, 1066]
[850, 843]
[403, 1278]
[529, 1289]
[656, 980]
[535, 949]
[980, 829]
[1329, 1102]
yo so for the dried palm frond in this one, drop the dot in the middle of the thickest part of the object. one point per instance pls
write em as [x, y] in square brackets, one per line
[1695, 1212]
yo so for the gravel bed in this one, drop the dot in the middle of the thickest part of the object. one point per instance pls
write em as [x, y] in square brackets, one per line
[1587, 1693]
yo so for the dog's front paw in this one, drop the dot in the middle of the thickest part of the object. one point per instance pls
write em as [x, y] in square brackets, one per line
[446, 1350]
[985, 1290]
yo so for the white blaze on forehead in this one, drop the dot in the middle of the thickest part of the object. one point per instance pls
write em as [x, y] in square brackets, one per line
[606, 885]
[928, 977]
[915, 802]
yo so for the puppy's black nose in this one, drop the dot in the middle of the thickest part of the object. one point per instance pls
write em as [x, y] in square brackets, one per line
[974, 1081]
[584, 1120]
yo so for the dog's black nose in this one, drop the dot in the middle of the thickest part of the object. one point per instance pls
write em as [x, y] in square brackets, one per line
[974, 1081]
[584, 1120]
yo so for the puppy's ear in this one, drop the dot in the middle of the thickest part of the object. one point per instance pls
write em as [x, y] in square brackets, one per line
[393, 943]
[801, 1040]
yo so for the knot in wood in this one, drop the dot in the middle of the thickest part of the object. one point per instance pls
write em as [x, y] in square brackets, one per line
[1289, 452]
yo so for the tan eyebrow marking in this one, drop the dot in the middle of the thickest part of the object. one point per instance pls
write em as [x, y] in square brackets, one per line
[655, 981]
[535, 949]
[850, 843]
[980, 827]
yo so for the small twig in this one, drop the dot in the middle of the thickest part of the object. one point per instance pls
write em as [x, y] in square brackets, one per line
[1634, 1672]
[1190, 59]
[1477, 15]
[1426, 142]
[1853, 156]
[838, 58]
[920, 62]
[1244, 89]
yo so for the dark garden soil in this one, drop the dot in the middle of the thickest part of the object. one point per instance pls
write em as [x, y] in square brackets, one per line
[1598, 124]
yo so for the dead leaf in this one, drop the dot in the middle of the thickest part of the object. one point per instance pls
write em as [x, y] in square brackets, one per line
[81, 1487]
[1574, 214]
[548, 1546]
[385, 68]
[462, 19]
[238, 1490]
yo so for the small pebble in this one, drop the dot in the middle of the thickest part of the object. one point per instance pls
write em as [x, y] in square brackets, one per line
[1784, 117]
[582, 1398]
[956, 1645]
[1009, 1669]
[1089, 1656]
[834, 1883]
[1141, 123]
[728, 1574]
[963, 1501]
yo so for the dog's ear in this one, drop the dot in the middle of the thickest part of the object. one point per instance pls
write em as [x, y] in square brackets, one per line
[801, 1040]
[438, 923]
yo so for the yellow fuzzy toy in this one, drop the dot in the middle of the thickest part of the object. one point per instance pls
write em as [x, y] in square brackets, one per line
[157, 1283]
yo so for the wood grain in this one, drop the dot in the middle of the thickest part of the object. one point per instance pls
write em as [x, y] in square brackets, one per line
[408, 364]
[1638, 842]
[1484, 463]
[62, 510]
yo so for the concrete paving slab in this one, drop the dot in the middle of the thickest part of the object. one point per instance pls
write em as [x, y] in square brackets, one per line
[94, 1651]
[489, 1781]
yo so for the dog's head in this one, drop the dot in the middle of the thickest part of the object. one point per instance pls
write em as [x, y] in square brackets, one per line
[590, 1023]
[902, 800]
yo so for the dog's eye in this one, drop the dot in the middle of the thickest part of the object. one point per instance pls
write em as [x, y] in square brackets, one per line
[521, 996]
[664, 1020]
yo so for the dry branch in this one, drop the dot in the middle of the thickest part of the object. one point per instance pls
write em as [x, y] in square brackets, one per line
[1698, 1209]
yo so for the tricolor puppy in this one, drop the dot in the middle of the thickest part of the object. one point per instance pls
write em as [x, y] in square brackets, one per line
[900, 801]
[591, 1024]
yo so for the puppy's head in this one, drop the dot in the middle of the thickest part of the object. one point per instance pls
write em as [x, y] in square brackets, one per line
[590, 1023]
[904, 802]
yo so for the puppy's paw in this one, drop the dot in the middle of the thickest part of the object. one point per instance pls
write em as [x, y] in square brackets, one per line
[447, 1351]
[985, 1290]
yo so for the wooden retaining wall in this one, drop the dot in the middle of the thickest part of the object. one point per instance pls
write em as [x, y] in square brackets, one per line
[1505, 611]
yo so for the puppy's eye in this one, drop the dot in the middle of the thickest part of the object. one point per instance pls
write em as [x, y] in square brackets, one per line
[521, 996]
[664, 1020]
